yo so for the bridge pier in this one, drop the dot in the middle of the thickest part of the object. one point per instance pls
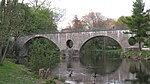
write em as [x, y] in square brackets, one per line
[69, 53]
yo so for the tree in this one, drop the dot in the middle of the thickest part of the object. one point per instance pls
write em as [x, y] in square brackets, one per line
[93, 20]
[77, 24]
[57, 12]
[138, 22]
[120, 23]
[13, 23]
[109, 23]
[42, 54]
[18, 19]
[4, 28]
[41, 20]
[27, 19]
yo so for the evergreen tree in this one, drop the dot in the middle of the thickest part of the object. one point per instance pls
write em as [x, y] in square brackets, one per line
[138, 22]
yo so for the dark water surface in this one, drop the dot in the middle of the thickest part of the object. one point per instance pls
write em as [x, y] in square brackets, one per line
[104, 68]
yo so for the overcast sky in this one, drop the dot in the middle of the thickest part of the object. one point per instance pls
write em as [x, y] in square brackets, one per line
[108, 8]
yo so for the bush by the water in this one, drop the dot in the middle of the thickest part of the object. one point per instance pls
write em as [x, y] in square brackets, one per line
[136, 54]
[42, 54]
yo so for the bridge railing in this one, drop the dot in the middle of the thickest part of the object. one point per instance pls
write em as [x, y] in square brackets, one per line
[75, 31]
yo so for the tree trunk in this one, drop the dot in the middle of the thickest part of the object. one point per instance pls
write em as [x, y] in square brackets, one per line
[1, 56]
[4, 54]
[140, 48]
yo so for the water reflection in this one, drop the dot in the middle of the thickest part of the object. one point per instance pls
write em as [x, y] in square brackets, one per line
[101, 63]
[104, 68]
[140, 69]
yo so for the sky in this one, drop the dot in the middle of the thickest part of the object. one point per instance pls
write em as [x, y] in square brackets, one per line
[108, 8]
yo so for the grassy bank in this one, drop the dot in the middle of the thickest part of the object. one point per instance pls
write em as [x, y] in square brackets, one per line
[11, 73]
[136, 54]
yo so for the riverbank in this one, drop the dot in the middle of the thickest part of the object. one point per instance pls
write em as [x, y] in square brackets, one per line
[11, 73]
[136, 54]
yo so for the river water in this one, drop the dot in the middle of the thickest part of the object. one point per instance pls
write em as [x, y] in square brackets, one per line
[103, 69]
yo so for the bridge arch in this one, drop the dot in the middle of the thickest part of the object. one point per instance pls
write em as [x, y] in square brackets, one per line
[25, 44]
[39, 36]
[25, 48]
[111, 37]
[23, 40]
[31, 38]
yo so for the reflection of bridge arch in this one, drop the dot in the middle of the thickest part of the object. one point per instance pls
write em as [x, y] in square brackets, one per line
[145, 66]
[121, 74]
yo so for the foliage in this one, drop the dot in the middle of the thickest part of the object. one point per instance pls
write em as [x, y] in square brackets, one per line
[42, 54]
[18, 19]
[120, 23]
[51, 81]
[102, 48]
[55, 80]
[59, 78]
[22, 19]
[138, 22]
[141, 76]
[101, 61]
[4, 27]
[101, 43]
[28, 20]
[41, 20]
[11, 73]
[15, 52]
[147, 42]
[143, 53]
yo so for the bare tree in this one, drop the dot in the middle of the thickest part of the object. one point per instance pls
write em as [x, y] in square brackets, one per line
[109, 23]
[93, 20]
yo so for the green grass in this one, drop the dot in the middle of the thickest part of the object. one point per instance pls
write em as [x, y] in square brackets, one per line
[11, 73]
[143, 53]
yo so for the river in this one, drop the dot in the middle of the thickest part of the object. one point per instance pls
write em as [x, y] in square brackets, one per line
[103, 68]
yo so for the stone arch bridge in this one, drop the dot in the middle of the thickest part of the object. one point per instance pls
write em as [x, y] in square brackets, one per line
[78, 38]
